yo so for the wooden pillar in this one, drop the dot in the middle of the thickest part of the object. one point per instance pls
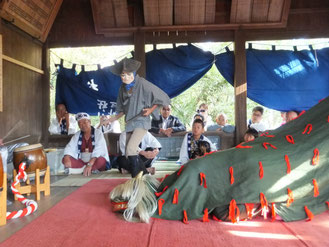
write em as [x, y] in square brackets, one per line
[139, 43]
[45, 94]
[139, 39]
[240, 85]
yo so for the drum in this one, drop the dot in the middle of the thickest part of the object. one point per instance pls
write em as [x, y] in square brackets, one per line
[35, 154]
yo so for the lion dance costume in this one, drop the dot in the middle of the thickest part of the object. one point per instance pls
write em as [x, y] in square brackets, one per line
[284, 172]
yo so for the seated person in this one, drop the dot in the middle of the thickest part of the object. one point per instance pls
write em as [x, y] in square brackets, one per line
[63, 124]
[191, 148]
[256, 119]
[167, 123]
[222, 124]
[291, 115]
[250, 135]
[148, 150]
[203, 110]
[87, 148]
[7, 153]
[107, 127]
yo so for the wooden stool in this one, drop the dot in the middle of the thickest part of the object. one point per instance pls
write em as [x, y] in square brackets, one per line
[3, 195]
[37, 187]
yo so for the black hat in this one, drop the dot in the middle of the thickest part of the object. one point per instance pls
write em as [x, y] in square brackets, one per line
[125, 65]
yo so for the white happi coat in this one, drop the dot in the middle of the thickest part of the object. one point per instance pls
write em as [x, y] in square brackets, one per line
[55, 129]
[100, 149]
[183, 155]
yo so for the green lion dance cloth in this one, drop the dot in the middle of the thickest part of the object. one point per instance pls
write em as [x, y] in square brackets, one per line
[285, 173]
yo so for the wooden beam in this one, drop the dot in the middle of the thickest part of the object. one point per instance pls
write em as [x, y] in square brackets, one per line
[240, 86]
[203, 27]
[45, 95]
[22, 64]
[1, 76]
[139, 43]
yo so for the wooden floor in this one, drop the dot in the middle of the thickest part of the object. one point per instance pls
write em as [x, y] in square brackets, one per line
[45, 203]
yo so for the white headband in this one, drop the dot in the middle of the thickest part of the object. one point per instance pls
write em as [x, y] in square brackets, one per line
[82, 115]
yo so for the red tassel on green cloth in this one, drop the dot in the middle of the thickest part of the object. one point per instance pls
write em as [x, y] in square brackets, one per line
[175, 199]
[215, 218]
[234, 212]
[267, 143]
[261, 170]
[232, 175]
[290, 139]
[273, 212]
[160, 204]
[308, 128]
[308, 213]
[316, 157]
[266, 134]
[263, 203]
[205, 215]
[249, 208]
[160, 193]
[203, 178]
[290, 198]
[327, 204]
[316, 188]
[180, 170]
[185, 219]
[240, 146]
[286, 158]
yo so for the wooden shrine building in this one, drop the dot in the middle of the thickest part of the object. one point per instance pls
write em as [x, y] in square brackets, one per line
[30, 28]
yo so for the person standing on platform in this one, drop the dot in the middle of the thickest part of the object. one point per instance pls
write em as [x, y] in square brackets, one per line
[137, 100]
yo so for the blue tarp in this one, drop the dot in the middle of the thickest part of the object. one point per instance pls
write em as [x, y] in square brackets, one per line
[282, 80]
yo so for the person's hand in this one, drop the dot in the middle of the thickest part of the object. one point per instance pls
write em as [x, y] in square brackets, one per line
[168, 132]
[87, 171]
[219, 129]
[147, 111]
[104, 120]
[1, 142]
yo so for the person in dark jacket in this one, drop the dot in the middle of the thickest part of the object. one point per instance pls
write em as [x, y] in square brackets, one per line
[167, 124]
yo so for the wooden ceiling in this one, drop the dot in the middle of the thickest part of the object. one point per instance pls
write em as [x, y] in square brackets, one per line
[94, 19]
[169, 15]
